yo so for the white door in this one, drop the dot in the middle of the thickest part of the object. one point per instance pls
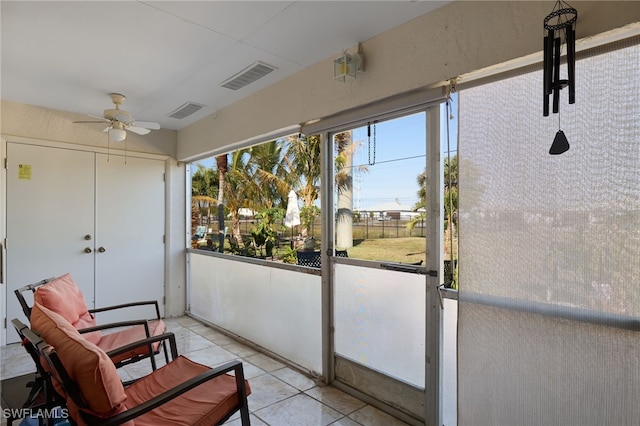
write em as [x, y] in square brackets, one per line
[50, 220]
[130, 211]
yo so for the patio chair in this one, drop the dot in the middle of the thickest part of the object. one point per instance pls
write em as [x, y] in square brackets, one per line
[63, 296]
[309, 258]
[342, 253]
[180, 393]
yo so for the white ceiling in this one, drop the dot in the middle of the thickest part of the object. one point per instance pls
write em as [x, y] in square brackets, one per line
[161, 54]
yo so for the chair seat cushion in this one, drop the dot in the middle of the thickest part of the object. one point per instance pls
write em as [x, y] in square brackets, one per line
[206, 404]
[63, 296]
[121, 338]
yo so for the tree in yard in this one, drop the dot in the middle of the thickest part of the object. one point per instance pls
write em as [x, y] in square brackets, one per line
[303, 162]
[240, 190]
[451, 195]
[203, 186]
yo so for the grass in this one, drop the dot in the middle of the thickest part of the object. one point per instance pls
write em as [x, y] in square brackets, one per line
[403, 250]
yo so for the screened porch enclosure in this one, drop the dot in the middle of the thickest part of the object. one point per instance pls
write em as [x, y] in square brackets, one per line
[549, 313]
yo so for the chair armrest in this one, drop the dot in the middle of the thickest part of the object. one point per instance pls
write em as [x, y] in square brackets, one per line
[128, 305]
[186, 386]
[148, 342]
[145, 323]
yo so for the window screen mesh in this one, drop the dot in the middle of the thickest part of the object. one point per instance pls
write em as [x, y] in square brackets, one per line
[549, 313]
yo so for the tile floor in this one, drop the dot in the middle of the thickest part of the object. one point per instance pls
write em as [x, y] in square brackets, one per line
[280, 395]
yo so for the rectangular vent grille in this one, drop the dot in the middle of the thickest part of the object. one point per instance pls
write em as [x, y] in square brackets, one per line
[248, 76]
[186, 110]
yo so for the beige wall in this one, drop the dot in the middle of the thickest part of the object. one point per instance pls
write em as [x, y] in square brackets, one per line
[52, 125]
[456, 39]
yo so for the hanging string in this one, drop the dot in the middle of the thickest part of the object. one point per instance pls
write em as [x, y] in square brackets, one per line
[371, 163]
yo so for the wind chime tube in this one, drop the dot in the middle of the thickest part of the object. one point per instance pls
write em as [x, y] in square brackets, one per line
[547, 71]
[556, 75]
[571, 63]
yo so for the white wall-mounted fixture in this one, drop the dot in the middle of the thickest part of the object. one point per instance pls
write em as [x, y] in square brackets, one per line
[348, 65]
[117, 132]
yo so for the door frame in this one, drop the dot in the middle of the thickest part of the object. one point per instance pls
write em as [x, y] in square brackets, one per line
[433, 316]
[4, 140]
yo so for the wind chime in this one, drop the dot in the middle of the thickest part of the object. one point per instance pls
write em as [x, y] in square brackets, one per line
[560, 27]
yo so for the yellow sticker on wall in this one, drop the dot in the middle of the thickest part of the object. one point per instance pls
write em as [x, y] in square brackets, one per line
[24, 171]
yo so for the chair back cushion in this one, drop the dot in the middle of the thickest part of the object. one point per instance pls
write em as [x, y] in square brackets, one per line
[86, 364]
[63, 297]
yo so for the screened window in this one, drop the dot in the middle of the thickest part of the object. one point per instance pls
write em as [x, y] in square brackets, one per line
[261, 201]
[550, 284]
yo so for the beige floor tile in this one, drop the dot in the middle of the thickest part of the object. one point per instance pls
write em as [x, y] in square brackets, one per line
[211, 356]
[336, 399]
[266, 363]
[299, 410]
[294, 378]
[371, 416]
[267, 390]
[239, 349]
[15, 361]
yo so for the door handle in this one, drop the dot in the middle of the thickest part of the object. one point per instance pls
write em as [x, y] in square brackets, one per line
[87, 250]
[87, 237]
[102, 249]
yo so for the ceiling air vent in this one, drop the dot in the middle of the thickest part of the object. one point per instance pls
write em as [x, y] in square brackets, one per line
[248, 76]
[186, 110]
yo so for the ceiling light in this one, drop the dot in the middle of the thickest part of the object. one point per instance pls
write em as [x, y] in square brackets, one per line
[117, 134]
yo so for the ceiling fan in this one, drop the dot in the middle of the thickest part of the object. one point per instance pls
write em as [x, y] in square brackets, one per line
[119, 121]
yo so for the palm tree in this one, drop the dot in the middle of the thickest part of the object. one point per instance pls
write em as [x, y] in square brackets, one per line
[266, 165]
[203, 184]
[451, 194]
[421, 205]
[240, 190]
[303, 162]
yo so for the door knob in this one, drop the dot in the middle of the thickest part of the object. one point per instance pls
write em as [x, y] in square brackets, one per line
[87, 250]
[87, 237]
[102, 249]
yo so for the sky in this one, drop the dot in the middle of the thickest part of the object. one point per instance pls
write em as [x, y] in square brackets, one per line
[400, 156]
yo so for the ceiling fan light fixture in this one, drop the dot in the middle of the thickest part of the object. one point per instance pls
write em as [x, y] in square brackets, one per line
[117, 135]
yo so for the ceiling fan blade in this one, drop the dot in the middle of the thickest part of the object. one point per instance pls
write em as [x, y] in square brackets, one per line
[147, 124]
[101, 122]
[106, 129]
[98, 117]
[125, 117]
[139, 130]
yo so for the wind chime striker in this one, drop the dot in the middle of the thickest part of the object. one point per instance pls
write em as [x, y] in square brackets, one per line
[560, 29]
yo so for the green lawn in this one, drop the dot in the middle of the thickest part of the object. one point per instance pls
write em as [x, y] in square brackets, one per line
[404, 250]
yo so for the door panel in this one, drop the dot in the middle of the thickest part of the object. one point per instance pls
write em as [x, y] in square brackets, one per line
[379, 290]
[130, 227]
[50, 210]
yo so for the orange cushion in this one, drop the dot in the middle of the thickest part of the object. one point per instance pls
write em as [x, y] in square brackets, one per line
[85, 363]
[120, 338]
[203, 405]
[63, 297]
